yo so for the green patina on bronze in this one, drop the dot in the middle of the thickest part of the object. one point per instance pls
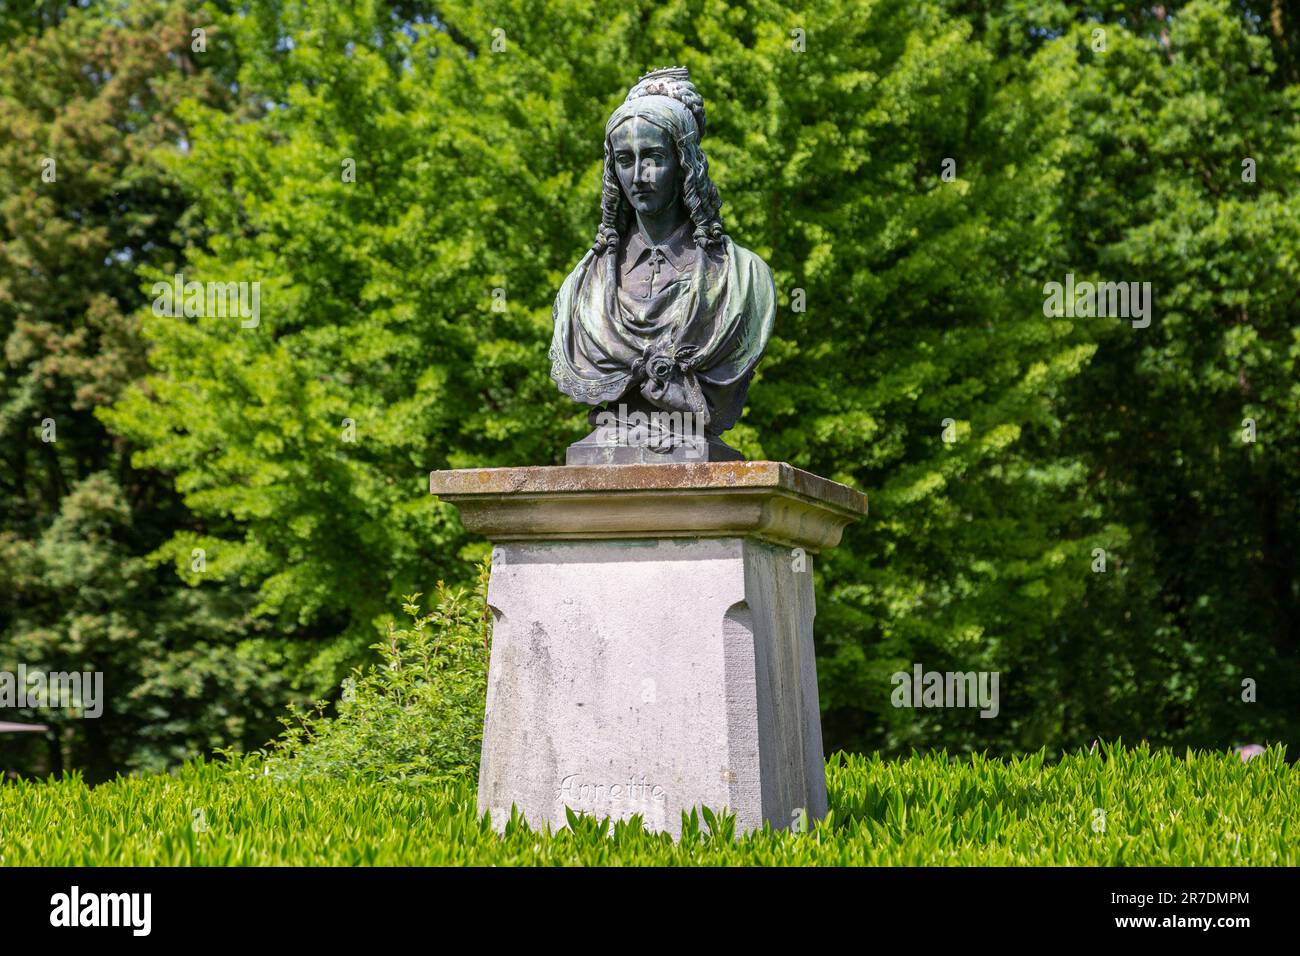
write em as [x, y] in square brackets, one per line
[665, 312]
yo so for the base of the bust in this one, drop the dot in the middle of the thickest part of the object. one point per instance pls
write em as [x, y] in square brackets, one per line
[599, 448]
[632, 431]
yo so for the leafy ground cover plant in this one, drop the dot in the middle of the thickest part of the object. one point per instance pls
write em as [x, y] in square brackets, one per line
[1117, 806]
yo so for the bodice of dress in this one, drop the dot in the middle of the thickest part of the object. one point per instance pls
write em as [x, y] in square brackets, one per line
[681, 325]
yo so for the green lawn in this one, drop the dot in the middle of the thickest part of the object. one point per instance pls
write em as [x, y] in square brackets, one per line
[1159, 809]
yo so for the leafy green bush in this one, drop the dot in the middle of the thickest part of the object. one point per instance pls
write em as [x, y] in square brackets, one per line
[1155, 809]
[417, 714]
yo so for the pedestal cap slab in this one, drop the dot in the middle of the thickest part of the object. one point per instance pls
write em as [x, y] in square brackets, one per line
[767, 500]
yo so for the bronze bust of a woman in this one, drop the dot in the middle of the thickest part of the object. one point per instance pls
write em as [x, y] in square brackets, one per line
[664, 320]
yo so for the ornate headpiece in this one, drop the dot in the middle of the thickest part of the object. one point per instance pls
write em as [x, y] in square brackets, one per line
[675, 82]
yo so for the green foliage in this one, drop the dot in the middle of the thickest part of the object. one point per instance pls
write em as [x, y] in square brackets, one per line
[1117, 807]
[477, 170]
[30, 17]
[84, 104]
[1207, 591]
[418, 714]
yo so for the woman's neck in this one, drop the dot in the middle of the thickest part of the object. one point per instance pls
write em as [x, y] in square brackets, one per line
[657, 227]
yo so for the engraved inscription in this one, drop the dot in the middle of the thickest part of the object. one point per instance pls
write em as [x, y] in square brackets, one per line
[577, 792]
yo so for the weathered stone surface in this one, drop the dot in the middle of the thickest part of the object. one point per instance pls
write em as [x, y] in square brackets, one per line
[652, 638]
[771, 501]
[652, 676]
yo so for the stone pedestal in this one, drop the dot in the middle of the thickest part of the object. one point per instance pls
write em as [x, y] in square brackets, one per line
[652, 644]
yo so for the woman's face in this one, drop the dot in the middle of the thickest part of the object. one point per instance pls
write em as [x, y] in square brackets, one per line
[646, 162]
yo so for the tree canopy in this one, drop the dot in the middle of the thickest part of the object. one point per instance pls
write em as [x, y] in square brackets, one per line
[1102, 511]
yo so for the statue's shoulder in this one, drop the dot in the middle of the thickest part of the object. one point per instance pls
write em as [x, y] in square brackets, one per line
[746, 260]
[573, 281]
[750, 264]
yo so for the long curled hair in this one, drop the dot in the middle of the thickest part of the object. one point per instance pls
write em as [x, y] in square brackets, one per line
[699, 193]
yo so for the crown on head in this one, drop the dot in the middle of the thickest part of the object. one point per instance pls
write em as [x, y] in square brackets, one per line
[675, 82]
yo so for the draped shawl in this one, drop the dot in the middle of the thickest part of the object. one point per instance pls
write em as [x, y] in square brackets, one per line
[702, 363]
[703, 360]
